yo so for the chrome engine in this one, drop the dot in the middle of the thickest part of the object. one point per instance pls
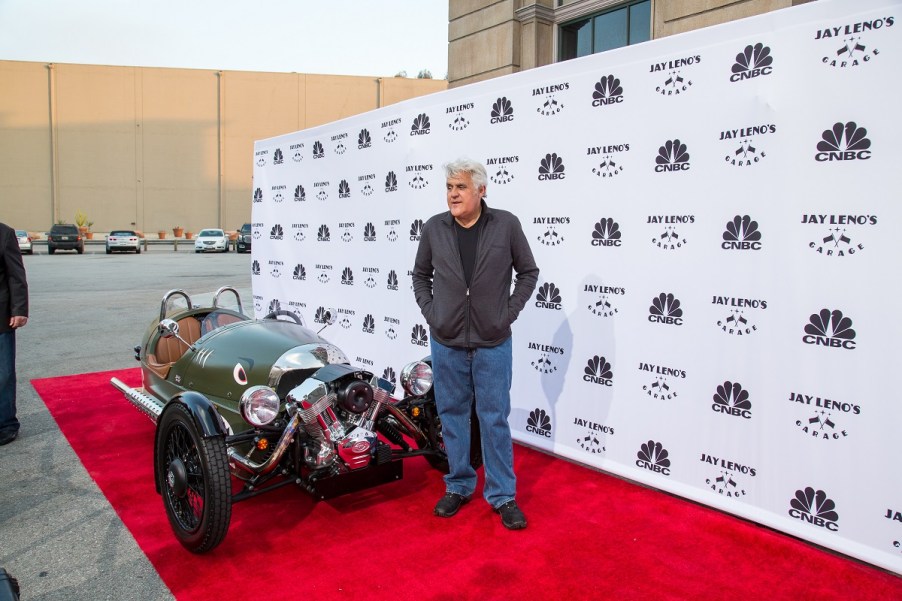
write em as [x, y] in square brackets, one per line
[339, 416]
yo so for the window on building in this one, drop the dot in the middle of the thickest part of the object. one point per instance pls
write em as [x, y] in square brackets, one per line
[627, 24]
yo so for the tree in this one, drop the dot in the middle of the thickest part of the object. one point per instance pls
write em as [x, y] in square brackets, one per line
[424, 74]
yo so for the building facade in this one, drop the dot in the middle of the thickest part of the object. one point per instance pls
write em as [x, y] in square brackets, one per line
[153, 148]
[488, 38]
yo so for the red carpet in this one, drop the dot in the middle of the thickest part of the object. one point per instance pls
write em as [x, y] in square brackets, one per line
[590, 536]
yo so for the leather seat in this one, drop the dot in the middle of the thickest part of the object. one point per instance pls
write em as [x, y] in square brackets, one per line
[170, 350]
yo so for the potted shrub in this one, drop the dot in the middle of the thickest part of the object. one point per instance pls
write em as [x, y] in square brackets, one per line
[88, 233]
[177, 231]
[189, 234]
[81, 220]
[161, 234]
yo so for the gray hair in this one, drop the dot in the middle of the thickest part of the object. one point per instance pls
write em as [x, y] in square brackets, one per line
[464, 165]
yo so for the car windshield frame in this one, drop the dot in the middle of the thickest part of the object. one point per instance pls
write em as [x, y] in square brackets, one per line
[211, 234]
[123, 234]
[64, 230]
[21, 234]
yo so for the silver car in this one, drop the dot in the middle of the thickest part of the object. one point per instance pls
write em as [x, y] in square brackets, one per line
[24, 242]
[213, 240]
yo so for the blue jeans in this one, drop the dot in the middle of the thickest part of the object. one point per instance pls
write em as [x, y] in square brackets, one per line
[484, 374]
[8, 421]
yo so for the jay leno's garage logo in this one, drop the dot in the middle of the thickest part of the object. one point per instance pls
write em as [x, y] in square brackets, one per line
[662, 386]
[674, 75]
[548, 96]
[593, 437]
[852, 45]
[738, 314]
[730, 474]
[822, 415]
[546, 357]
[602, 299]
[838, 233]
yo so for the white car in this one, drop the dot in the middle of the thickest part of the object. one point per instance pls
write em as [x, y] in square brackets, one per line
[123, 240]
[212, 240]
[24, 242]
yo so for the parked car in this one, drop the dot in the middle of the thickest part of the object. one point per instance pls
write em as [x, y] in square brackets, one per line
[126, 240]
[263, 403]
[65, 236]
[244, 239]
[24, 242]
[212, 240]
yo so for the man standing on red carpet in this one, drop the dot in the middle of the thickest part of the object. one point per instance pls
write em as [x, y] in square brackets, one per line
[461, 280]
[13, 315]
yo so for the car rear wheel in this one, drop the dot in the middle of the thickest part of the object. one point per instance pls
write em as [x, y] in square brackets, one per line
[50, 250]
[80, 249]
[193, 476]
[137, 250]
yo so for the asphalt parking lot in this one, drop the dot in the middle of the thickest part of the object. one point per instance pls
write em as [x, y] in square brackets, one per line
[58, 534]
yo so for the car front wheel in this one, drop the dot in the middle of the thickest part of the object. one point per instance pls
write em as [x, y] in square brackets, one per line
[193, 476]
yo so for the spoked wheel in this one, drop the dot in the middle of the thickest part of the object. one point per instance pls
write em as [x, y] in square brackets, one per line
[433, 431]
[194, 480]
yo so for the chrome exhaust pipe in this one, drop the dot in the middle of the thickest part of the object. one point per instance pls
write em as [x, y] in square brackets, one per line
[146, 404]
[261, 469]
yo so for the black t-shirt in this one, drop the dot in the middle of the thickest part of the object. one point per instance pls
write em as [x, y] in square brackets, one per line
[467, 238]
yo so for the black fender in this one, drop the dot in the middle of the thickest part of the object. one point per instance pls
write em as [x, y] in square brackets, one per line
[206, 419]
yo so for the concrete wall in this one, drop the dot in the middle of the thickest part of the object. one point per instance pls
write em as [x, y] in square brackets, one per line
[154, 148]
[488, 38]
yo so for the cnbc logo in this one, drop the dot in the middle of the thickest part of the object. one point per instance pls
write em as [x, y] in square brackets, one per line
[813, 506]
[606, 233]
[363, 139]
[322, 234]
[369, 324]
[318, 151]
[598, 371]
[276, 233]
[420, 126]
[389, 374]
[255, 267]
[369, 232]
[392, 280]
[418, 335]
[754, 61]
[344, 190]
[607, 91]
[731, 399]
[299, 273]
[502, 111]
[741, 234]
[673, 157]
[551, 167]
[843, 142]
[850, 49]
[277, 158]
[391, 182]
[830, 329]
[300, 195]
[665, 308]
[347, 277]
[594, 435]
[653, 456]
[416, 230]
[539, 423]
[548, 297]
[258, 195]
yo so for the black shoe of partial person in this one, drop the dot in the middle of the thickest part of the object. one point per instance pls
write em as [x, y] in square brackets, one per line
[449, 504]
[511, 516]
[7, 437]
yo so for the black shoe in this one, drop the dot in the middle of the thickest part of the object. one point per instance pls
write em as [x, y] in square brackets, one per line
[8, 436]
[449, 504]
[511, 516]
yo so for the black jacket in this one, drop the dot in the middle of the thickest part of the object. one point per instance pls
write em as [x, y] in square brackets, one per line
[13, 287]
[480, 316]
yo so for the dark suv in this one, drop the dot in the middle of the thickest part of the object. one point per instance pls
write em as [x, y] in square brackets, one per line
[65, 236]
[244, 239]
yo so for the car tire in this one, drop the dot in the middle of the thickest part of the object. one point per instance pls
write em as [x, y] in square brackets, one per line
[80, 249]
[50, 250]
[197, 251]
[200, 514]
[137, 250]
[109, 251]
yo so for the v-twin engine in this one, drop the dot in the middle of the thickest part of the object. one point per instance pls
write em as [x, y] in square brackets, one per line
[338, 413]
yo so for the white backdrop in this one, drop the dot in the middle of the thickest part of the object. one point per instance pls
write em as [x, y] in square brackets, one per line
[715, 215]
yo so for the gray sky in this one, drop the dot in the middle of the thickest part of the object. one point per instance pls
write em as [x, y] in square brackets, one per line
[342, 37]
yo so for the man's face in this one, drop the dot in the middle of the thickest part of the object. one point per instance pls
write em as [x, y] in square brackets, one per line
[464, 198]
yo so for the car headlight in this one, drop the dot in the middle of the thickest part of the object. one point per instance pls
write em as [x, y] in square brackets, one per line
[259, 405]
[416, 378]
